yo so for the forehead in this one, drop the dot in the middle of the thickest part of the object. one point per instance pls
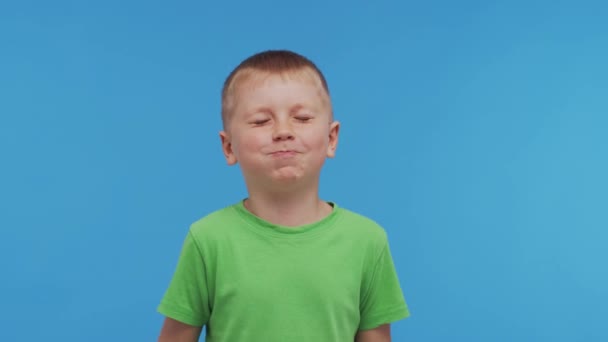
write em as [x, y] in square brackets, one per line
[256, 86]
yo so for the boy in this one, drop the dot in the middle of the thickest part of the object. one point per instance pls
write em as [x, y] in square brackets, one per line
[282, 265]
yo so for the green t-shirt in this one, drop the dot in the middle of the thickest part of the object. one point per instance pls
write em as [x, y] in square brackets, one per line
[246, 279]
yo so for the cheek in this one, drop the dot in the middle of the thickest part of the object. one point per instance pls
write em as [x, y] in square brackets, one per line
[248, 143]
[316, 143]
[317, 139]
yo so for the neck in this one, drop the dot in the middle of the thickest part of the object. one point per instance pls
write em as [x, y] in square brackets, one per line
[289, 209]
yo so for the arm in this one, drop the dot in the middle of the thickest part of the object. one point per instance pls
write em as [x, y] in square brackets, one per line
[379, 334]
[175, 331]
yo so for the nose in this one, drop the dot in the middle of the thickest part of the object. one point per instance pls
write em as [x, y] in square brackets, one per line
[282, 131]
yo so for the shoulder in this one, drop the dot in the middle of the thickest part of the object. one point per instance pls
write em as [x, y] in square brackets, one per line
[215, 224]
[359, 223]
[360, 226]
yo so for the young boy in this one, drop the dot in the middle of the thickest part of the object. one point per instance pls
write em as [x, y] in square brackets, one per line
[282, 265]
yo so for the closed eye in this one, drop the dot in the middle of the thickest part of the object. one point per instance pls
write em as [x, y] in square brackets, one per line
[260, 122]
[303, 118]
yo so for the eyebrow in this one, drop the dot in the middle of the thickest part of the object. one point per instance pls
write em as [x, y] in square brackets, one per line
[266, 110]
[296, 108]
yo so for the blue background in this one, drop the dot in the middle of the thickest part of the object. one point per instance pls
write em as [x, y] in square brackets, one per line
[473, 131]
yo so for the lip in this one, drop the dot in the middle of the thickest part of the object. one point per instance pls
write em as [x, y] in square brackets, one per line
[283, 153]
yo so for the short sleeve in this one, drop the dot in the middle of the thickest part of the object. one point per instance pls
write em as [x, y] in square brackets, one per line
[383, 301]
[186, 298]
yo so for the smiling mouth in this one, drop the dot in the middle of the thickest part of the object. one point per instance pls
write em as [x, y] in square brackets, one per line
[283, 154]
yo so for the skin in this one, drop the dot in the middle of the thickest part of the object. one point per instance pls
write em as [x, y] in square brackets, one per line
[175, 331]
[379, 334]
[280, 132]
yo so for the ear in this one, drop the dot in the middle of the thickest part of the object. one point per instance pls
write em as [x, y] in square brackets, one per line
[334, 129]
[227, 148]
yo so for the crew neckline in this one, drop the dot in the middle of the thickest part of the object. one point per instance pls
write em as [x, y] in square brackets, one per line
[269, 228]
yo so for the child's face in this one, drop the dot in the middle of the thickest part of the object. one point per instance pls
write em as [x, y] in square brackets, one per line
[280, 129]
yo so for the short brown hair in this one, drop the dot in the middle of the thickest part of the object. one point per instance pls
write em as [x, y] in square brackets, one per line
[272, 62]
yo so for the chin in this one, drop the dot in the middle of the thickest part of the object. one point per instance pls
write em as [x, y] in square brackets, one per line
[283, 178]
[286, 176]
